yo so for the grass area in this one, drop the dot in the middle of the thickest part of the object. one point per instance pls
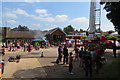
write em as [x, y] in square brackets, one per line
[112, 70]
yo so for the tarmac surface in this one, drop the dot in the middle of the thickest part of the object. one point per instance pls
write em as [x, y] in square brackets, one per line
[32, 65]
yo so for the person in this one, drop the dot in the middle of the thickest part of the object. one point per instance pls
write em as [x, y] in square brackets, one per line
[70, 63]
[92, 53]
[18, 45]
[24, 45]
[65, 53]
[97, 60]
[2, 64]
[13, 45]
[36, 46]
[80, 57]
[4, 44]
[3, 51]
[114, 48]
[60, 53]
[76, 53]
[29, 47]
[88, 64]
[9, 47]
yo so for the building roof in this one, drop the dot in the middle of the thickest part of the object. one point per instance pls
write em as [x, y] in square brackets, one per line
[20, 34]
[30, 34]
[55, 29]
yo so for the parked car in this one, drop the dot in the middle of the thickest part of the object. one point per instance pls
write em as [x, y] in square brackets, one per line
[109, 44]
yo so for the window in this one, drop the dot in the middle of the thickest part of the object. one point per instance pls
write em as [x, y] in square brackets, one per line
[57, 37]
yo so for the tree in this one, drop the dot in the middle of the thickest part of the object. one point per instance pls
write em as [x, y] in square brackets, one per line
[76, 30]
[113, 13]
[68, 29]
[21, 28]
[81, 30]
[110, 31]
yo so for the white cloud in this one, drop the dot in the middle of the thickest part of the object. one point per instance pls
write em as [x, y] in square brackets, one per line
[10, 15]
[36, 24]
[80, 20]
[107, 27]
[41, 11]
[29, 1]
[61, 18]
[48, 19]
[53, 25]
[43, 16]
[21, 12]
[11, 21]
[0, 22]
[80, 23]
[7, 9]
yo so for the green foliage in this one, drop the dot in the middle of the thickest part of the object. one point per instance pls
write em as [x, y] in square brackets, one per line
[68, 29]
[21, 28]
[113, 13]
[110, 31]
[115, 36]
[81, 30]
[82, 38]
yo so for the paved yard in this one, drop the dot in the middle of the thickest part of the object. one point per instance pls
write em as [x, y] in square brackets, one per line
[31, 65]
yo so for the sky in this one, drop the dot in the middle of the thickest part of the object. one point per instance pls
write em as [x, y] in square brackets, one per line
[49, 15]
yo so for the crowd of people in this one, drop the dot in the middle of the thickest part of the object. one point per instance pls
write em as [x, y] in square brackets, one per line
[89, 60]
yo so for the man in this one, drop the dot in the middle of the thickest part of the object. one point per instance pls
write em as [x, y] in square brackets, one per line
[88, 64]
[114, 48]
[65, 53]
[29, 47]
[24, 45]
[80, 56]
[60, 53]
[76, 53]
[2, 65]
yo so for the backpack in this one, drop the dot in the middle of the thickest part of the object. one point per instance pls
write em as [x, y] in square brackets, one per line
[18, 57]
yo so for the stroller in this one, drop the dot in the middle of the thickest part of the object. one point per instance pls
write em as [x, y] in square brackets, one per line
[18, 58]
[11, 59]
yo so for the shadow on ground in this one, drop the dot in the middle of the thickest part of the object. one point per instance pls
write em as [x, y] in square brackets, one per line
[61, 71]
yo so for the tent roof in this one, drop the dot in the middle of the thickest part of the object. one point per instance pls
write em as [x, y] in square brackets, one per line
[37, 40]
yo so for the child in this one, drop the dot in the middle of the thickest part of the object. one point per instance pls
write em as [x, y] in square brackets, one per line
[70, 63]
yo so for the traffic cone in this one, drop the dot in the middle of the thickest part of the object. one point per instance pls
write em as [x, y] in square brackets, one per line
[42, 55]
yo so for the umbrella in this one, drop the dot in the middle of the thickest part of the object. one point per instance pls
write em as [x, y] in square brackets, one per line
[71, 40]
[37, 40]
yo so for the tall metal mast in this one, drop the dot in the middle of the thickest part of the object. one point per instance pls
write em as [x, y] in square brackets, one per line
[95, 17]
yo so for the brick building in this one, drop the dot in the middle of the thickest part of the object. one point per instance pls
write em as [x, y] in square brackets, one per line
[10, 35]
[55, 35]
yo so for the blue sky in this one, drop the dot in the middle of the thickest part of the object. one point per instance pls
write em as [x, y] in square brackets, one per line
[48, 15]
